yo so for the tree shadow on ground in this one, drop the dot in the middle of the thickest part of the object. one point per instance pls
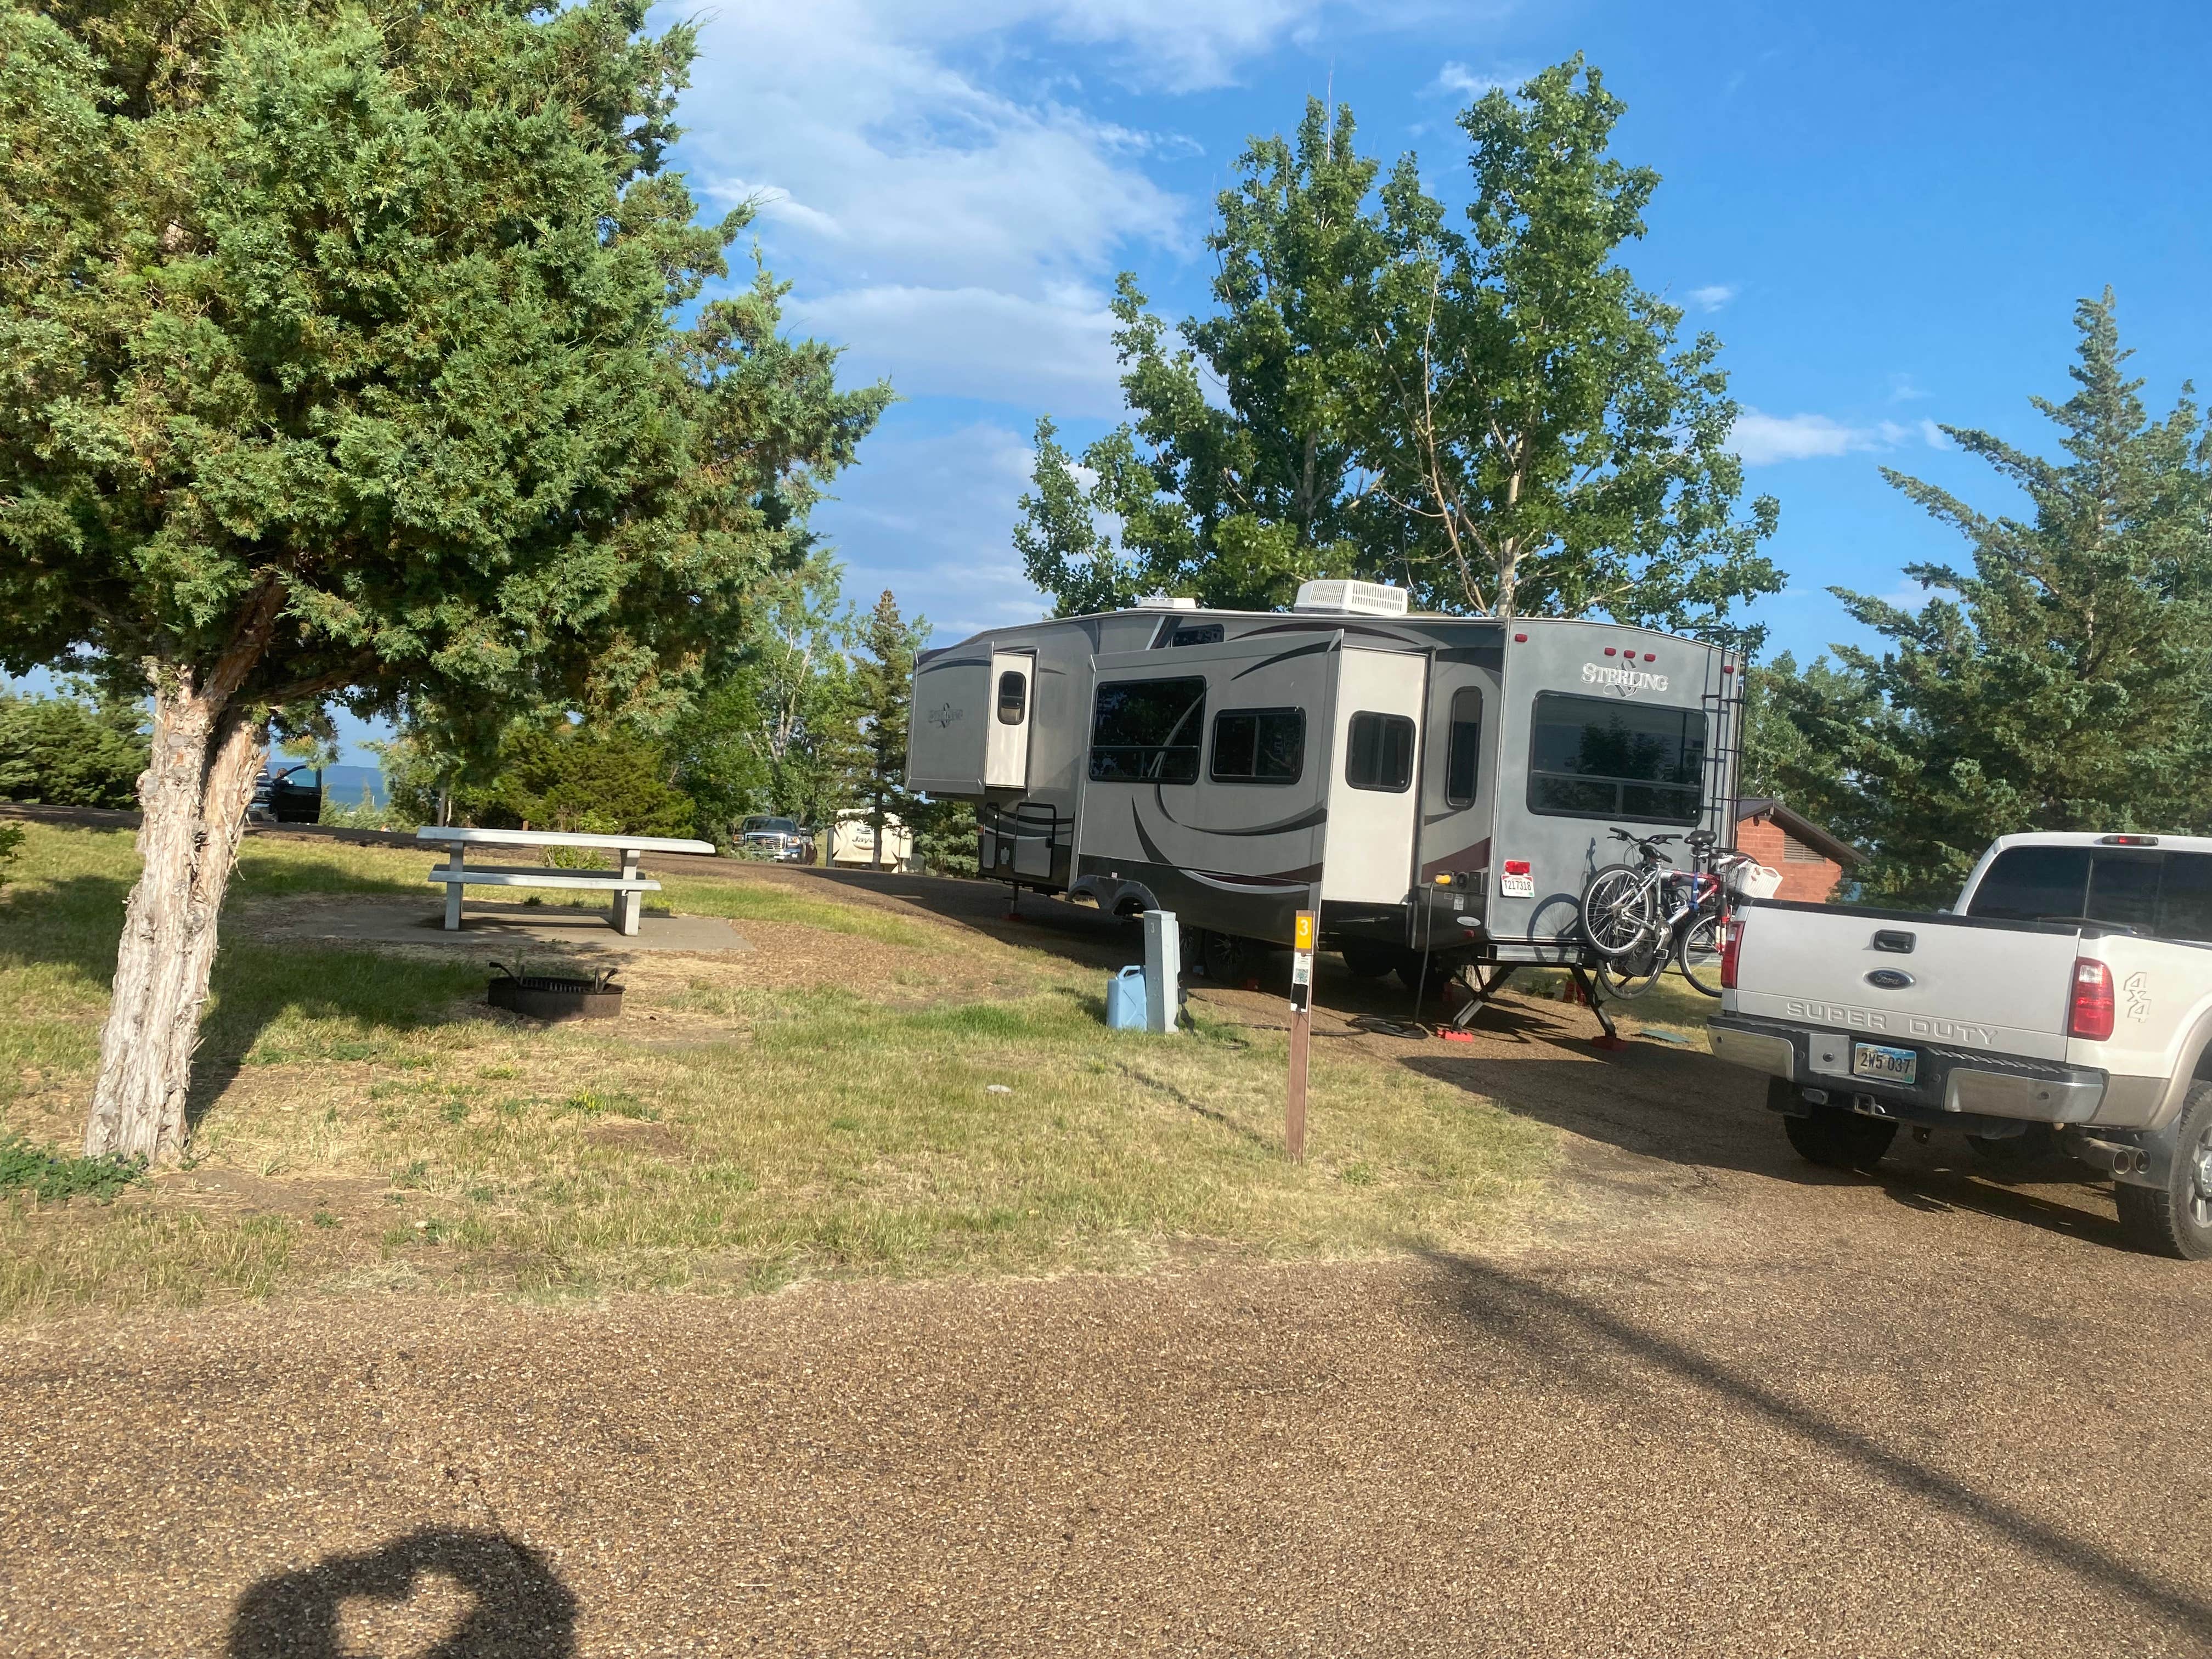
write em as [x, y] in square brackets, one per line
[517, 1606]
[1581, 1341]
[1685, 1108]
[75, 923]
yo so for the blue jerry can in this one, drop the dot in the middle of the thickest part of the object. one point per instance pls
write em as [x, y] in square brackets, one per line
[1125, 999]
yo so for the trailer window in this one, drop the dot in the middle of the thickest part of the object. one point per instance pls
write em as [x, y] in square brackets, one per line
[1147, 731]
[1378, 752]
[1463, 756]
[1197, 633]
[1259, 746]
[1013, 696]
[1596, 757]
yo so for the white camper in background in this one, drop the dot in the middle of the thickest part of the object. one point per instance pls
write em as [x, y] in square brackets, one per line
[853, 841]
[1438, 787]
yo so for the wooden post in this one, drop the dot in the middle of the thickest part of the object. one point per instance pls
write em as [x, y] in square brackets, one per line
[1294, 1117]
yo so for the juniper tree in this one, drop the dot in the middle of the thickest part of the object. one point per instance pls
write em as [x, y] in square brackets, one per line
[340, 362]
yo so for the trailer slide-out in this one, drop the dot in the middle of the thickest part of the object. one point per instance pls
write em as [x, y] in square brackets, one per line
[1438, 787]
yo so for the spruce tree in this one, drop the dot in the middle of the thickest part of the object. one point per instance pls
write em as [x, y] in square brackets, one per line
[883, 688]
[2061, 681]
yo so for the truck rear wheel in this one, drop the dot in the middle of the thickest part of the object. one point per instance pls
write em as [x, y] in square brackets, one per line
[1840, 1140]
[2177, 1220]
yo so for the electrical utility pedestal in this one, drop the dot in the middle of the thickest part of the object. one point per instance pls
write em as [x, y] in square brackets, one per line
[1162, 970]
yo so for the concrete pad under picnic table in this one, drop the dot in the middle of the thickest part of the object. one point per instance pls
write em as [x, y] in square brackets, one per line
[353, 920]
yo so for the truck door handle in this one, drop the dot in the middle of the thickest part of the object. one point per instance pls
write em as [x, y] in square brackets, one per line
[1893, 940]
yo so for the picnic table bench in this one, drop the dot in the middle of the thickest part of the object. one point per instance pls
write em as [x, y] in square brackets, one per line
[625, 884]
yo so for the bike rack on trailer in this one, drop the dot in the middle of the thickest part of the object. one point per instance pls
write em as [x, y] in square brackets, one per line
[1488, 985]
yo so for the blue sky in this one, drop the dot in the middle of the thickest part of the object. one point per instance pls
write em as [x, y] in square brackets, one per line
[1886, 211]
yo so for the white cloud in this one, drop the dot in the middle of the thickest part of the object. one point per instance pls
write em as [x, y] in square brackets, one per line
[1054, 352]
[868, 148]
[1456, 80]
[1761, 439]
[1936, 437]
[1713, 296]
[932, 519]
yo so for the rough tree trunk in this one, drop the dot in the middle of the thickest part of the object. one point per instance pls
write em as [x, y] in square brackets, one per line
[194, 793]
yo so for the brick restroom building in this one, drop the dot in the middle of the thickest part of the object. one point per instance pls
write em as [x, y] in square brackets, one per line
[1812, 861]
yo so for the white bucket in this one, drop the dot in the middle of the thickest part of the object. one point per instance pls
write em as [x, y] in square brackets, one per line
[1754, 881]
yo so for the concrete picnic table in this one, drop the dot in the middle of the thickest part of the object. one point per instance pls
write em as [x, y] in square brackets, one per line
[625, 885]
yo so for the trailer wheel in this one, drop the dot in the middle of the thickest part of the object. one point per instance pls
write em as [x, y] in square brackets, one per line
[1370, 961]
[1415, 971]
[2177, 1220]
[1229, 960]
[1840, 1140]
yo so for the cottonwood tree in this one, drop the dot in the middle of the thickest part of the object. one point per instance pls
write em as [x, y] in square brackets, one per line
[1494, 415]
[1554, 447]
[1240, 475]
[2064, 680]
[339, 363]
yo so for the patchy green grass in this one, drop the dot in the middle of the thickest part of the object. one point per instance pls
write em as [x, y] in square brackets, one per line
[731, 1132]
[49, 1175]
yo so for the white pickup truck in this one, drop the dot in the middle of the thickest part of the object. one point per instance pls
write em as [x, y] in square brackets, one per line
[2065, 1001]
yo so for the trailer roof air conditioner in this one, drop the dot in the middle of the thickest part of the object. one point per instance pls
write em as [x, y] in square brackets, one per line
[1166, 602]
[1351, 599]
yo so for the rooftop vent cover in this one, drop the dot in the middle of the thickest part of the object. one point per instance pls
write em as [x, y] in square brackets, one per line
[1351, 599]
[1166, 602]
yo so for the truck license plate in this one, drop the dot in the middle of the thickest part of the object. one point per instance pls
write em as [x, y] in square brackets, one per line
[1889, 1064]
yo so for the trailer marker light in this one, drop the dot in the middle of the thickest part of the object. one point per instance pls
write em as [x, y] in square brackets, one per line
[1610, 652]
[1520, 638]
[1728, 668]
[2090, 1016]
[1651, 656]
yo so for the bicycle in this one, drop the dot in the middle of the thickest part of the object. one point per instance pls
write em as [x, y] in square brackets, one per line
[1639, 917]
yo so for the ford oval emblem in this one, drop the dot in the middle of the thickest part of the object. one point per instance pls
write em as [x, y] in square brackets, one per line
[1889, 979]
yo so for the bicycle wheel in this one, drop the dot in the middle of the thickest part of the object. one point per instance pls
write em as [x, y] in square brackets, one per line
[1621, 911]
[1698, 950]
[1625, 980]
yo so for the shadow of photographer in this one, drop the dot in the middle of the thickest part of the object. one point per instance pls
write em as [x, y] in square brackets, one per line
[516, 1606]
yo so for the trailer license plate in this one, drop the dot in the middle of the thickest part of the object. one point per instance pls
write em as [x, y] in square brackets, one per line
[1873, 1060]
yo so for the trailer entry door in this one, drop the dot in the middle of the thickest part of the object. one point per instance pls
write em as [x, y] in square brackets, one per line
[1006, 751]
[1374, 804]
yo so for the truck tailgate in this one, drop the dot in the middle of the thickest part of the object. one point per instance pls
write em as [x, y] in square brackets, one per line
[1999, 986]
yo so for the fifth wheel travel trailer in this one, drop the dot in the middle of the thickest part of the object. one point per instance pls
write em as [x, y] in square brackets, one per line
[1438, 787]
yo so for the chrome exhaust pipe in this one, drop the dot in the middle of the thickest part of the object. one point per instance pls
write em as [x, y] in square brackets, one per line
[2114, 1159]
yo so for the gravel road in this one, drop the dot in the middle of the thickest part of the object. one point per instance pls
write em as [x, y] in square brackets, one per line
[1723, 1405]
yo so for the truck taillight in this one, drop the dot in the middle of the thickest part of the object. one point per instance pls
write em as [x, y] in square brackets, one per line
[2089, 1017]
[1731, 949]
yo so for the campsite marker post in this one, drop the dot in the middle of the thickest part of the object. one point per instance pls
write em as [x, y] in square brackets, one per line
[1294, 1117]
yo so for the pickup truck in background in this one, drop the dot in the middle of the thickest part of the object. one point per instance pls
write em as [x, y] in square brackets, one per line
[2064, 1003]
